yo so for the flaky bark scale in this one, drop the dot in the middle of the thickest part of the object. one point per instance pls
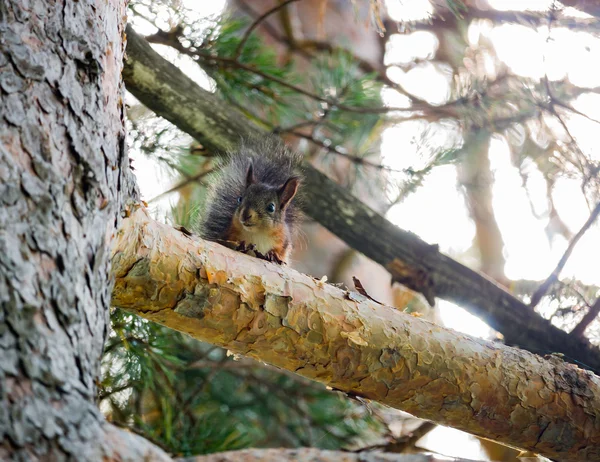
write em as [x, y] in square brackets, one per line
[350, 343]
[63, 180]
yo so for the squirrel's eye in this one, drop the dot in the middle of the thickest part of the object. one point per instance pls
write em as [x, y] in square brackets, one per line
[271, 207]
[239, 200]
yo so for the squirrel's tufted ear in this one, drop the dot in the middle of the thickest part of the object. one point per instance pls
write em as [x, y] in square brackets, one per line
[250, 178]
[288, 191]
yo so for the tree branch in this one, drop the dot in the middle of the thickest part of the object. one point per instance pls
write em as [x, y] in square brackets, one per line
[302, 49]
[592, 313]
[172, 40]
[346, 341]
[315, 455]
[419, 266]
[446, 19]
[192, 179]
[256, 23]
[590, 7]
[123, 445]
[542, 289]
[338, 152]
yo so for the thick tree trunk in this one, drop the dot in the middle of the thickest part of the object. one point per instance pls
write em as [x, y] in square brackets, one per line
[63, 179]
[353, 344]
[419, 266]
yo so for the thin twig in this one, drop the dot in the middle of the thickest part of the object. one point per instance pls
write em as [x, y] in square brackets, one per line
[228, 62]
[183, 184]
[301, 48]
[576, 111]
[334, 150]
[254, 25]
[403, 443]
[587, 319]
[164, 38]
[552, 110]
[545, 286]
[307, 123]
[107, 393]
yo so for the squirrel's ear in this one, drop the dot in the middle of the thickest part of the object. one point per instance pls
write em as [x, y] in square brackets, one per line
[288, 191]
[250, 179]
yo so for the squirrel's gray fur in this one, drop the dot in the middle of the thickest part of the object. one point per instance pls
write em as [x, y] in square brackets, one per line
[273, 164]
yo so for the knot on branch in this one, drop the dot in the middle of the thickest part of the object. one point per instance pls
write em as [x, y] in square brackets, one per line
[413, 278]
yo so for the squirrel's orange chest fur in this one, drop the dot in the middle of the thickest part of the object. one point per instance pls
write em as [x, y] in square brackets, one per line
[265, 240]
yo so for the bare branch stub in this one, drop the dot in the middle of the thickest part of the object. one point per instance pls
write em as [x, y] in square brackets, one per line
[415, 279]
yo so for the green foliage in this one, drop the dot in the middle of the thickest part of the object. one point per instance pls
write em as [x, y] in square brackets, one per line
[191, 398]
[254, 80]
[248, 89]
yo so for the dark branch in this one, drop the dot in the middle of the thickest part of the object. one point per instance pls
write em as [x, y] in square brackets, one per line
[169, 39]
[445, 19]
[256, 23]
[335, 150]
[541, 291]
[592, 313]
[590, 7]
[302, 48]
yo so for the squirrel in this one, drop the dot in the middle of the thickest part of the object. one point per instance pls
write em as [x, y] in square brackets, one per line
[252, 202]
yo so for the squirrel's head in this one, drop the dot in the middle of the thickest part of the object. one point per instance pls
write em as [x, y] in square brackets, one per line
[262, 206]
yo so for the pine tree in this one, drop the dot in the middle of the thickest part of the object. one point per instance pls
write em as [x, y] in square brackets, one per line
[284, 69]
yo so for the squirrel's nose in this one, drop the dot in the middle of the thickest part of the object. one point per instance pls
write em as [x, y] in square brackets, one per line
[247, 215]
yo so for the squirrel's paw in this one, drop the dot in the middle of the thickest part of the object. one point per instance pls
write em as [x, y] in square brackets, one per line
[273, 257]
[269, 256]
[242, 247]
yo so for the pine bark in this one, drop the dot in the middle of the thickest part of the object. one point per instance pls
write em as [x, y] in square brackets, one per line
[63, 179]
[350, 343]
[419, 266]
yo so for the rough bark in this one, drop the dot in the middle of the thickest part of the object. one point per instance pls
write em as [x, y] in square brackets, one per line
[167, 91]
[315, 455]
[63, 179]
[348, 342]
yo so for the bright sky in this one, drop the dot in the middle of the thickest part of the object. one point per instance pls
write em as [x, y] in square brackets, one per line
[559, 54]
[437, 211]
